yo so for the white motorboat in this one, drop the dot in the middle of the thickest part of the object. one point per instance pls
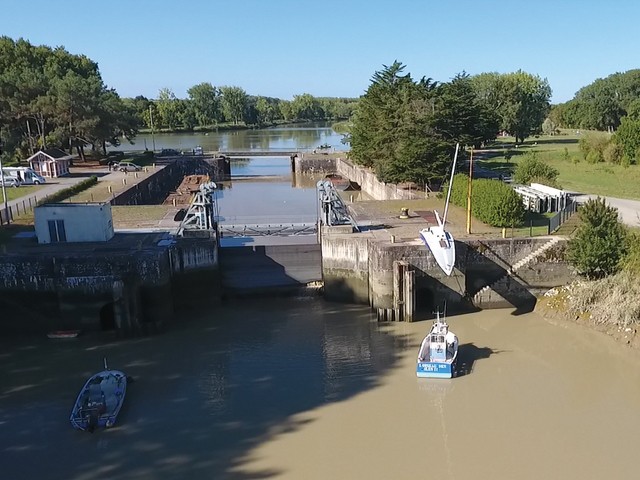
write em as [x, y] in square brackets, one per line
[439, 241]
[438, 352]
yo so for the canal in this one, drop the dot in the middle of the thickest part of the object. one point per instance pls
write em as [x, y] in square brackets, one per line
[302, 388]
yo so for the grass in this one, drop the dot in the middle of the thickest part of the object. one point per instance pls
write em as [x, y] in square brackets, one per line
[575, 173]
[23, 191]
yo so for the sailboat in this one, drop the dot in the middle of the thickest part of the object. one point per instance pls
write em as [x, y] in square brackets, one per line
[439, 241]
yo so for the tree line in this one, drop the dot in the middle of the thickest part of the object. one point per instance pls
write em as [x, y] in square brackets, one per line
[406, 129]
[52, 98]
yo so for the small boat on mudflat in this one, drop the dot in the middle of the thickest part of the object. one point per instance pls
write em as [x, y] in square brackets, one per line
[438, 352]
[63, 334]
[100, 400]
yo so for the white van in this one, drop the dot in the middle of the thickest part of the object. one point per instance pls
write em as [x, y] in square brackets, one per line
[25, 175]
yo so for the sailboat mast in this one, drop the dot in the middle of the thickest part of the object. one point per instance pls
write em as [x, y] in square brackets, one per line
[453, 172]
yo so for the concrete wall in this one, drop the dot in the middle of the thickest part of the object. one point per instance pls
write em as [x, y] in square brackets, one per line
[345, 266]
[358, 269]
[155, 188]
[370, 184]
[124, 288]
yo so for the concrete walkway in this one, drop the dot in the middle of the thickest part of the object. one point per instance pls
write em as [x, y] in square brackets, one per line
[628, 210]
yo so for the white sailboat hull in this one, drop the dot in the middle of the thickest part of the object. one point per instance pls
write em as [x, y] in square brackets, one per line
[442, 246]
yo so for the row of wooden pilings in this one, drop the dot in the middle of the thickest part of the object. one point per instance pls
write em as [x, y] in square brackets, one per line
[404, 295]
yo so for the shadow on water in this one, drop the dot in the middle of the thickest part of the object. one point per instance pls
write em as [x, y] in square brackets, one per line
[468, 354]
[208, 391]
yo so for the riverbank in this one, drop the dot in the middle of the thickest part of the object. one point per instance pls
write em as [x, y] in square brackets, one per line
[610, 306]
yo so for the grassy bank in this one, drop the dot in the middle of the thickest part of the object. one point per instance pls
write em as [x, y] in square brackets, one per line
[610, 305]
[563, 153]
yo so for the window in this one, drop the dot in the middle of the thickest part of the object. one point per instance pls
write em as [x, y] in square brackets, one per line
[56, 231]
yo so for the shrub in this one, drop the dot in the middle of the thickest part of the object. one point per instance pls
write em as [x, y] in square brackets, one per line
[493, 202]
[600, 242]
[69, 192]
[594, 157]
[613, 153]
[532, 167]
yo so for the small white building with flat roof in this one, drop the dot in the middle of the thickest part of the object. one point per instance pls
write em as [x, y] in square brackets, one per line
[74, 222]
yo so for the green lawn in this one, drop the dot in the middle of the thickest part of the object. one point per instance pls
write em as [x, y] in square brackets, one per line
[575, 173]
[13, 193]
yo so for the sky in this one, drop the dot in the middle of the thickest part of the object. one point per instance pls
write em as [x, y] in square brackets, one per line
[331, 48]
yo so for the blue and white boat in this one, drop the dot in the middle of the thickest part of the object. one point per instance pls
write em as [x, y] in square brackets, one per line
[100, 400]
[438, 352]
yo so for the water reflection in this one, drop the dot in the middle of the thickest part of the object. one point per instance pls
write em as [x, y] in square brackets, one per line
[294, 138]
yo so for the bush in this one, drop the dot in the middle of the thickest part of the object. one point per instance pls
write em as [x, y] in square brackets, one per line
[613, 153]
[65, 193]
[494, 203]
[600, 243]
[532, 167]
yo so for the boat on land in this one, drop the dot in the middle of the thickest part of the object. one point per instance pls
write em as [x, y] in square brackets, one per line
[63, 334]
[436, 238]
[100, 400]
[438, 351]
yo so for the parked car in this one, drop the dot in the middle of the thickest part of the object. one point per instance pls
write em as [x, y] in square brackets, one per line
[128, 167]
[169, 152]
[9, 182]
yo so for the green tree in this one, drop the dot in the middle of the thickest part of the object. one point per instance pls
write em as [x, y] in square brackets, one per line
[628, 137]
[531, 167]
[306, 107]
[393, 129]
[234, 103]
[460, 116]
[168, 110]
[520, 100]
[205, 100]
[600, 243]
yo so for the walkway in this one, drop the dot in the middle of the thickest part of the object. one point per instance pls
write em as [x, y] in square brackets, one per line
[628, 210]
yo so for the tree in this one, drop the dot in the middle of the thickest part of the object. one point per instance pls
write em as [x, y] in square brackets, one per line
[628, 138]
[205, 99]
[531, 167]
[168, 110]
[393, 129]
[600, 243]
[306, 107]
[460, 116]
[520, 100]
[234, 103]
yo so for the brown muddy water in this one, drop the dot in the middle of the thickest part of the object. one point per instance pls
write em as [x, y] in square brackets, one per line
[304, 389]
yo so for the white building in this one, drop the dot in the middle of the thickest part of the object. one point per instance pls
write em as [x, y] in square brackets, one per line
[74, 222]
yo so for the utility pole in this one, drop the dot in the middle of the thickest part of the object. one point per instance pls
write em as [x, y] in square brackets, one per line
[4, 190]
[469, 192]
[153, 138]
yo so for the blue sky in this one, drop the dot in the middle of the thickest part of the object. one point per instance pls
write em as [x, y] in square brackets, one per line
[282, 48]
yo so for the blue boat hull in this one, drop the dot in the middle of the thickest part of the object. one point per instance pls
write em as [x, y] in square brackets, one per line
[435, 369]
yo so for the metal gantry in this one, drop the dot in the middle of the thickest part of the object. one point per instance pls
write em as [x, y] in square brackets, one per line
[333, 210]
[203, 210]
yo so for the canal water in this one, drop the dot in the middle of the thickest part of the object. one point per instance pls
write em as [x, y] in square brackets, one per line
[306, 389]
[300, 388]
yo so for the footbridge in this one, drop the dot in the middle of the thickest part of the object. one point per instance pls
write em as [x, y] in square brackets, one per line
[272, 152]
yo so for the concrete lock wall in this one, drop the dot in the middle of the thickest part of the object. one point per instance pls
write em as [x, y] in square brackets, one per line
[127, 290]
[358, 270]
[370, 184]
[345, 267]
